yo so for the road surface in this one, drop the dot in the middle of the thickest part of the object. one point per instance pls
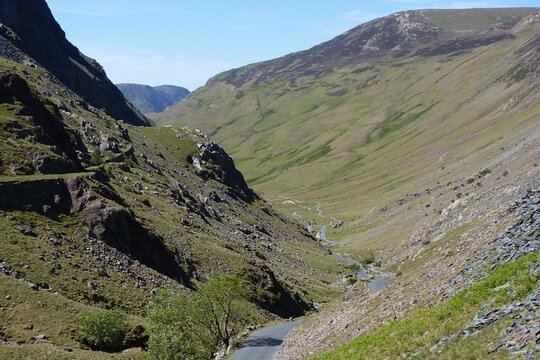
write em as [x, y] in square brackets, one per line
[264, 343]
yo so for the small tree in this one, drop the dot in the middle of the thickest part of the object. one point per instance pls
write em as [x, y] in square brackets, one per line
[195, 326]
[221, 308]
[104, 330]
[97, 157]
[173, 334]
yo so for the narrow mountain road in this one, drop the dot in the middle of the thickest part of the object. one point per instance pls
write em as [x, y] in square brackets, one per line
[264, 343]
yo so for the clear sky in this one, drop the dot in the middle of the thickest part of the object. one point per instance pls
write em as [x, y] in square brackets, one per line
[185, 42]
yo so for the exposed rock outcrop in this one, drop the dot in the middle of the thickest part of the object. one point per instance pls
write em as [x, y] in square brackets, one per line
[117, 226]
[48, 197]
[224, 170]
[50, 130]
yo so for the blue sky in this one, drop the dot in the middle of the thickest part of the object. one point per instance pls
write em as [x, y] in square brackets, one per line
[185, 42]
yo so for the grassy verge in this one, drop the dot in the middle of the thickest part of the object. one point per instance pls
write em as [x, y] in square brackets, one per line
[419, 330]
[46, 352]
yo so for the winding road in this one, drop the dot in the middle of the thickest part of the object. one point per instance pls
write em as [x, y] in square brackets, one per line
[264, 343]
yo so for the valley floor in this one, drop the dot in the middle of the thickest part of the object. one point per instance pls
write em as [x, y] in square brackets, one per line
[478, 278]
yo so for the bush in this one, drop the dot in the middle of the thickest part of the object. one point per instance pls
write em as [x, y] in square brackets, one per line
[354, 267]
[104, 330]
[368, 257]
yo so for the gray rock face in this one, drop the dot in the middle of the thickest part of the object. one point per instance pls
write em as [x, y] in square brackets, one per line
[48, 125]
[118, 227]
[221, 168]
[522, 337]
[30, 27]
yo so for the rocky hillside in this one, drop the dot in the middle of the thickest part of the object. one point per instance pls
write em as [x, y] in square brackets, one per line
[28, 29]
[96, 213]
[410, 146]
[152, 99]
[373, 106]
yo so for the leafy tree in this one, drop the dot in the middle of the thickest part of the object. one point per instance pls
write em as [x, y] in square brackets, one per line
[195, 326]
[104, 330]
[221, 308]
[97, 157]
[173, 335]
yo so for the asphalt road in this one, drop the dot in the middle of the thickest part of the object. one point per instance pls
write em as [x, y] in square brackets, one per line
[264, 343]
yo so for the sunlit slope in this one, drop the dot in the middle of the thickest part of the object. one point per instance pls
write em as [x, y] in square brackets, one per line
[365, 134]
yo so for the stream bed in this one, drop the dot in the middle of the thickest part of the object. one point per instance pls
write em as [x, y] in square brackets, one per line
[374, 283]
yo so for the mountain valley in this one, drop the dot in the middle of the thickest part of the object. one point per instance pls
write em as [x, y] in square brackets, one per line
[383, 187]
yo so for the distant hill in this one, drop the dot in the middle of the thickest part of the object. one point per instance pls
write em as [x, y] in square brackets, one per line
[153, 99]
[293, 123]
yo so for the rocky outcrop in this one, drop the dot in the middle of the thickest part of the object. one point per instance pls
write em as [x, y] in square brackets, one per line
[395, 32]
[117, 226]
[48, 197]
[280, 300]
[64, 143]
[35, 32]
[221, 168]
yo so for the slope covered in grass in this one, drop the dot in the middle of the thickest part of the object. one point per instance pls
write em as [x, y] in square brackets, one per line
[418, 331]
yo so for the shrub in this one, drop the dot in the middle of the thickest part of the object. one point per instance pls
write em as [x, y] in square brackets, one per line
[368, 257]
[484, 172]
[97, 157]
[104, 330]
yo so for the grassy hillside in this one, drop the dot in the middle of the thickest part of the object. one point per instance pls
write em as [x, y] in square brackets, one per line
[411, 138]
[362, 138]
[96, 214]
[415, 333]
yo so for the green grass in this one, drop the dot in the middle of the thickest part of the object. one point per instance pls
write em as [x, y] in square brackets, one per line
[474, 19]
[47, 352]
[405, 129]
[23, 178]
[419, 330]
[397, 121]
[473, 347]
[175, 145]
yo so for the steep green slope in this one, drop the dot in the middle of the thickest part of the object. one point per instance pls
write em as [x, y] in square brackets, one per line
[97, 214]
[365, 121]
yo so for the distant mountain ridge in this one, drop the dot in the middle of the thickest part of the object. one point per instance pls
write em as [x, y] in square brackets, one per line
[28, 28]
[150, 99]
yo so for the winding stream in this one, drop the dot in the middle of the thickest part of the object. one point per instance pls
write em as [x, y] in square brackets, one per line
[375, 279]
[374, 284]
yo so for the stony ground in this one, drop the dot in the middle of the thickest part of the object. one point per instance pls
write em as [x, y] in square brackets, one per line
[457, 258]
